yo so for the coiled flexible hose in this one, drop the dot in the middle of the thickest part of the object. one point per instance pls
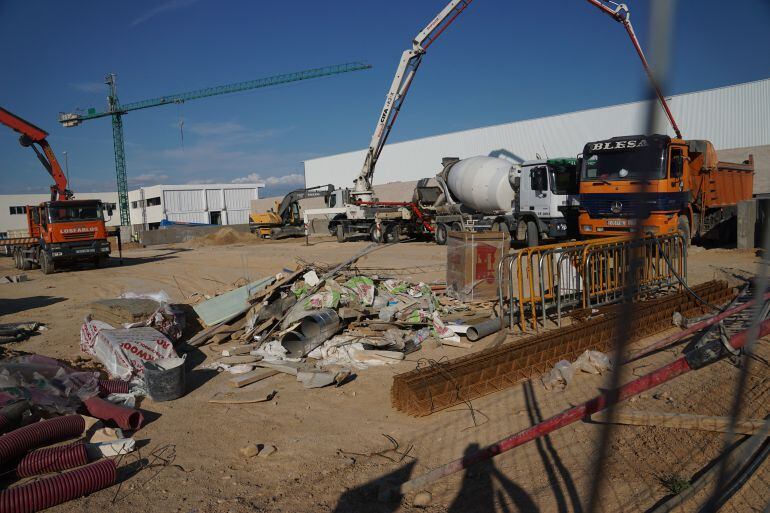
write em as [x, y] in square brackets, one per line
[124, 418]
[52, 459]
[18, 442]
[113, 386]
[57, 489]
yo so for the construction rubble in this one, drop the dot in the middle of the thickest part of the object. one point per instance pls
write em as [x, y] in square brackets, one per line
[323, 326]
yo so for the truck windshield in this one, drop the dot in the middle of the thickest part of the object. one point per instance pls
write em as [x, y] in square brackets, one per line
[563, 179]
[638, 164]
[66, 214]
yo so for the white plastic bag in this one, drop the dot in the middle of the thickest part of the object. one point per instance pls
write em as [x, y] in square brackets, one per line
[122, 351]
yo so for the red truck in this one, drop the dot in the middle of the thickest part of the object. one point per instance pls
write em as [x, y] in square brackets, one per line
[63, 230]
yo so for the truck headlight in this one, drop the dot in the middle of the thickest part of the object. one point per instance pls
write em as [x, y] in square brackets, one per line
[587, 228]
[56, 253]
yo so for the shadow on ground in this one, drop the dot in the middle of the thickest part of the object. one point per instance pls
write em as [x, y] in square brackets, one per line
[11, 306]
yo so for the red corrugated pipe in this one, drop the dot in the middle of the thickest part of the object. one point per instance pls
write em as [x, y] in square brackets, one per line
[5, 423]
[113, 386]
[18, 442]
[50, 491]
[124, 418]
[52, 459]
[694, 359]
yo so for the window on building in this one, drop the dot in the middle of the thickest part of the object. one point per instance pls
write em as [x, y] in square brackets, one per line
[112, 206]
[134, 204]
[153, 202]
[17, 210]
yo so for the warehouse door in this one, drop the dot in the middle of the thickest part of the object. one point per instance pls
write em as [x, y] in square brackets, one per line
[215, 217]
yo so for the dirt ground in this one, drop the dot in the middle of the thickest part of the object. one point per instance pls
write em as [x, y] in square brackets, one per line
[335, 445]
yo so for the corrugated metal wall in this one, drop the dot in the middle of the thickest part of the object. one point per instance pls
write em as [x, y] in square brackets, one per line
[731, 117]
[176, 201]
[237, 217]
[214, 199]
[239, 199]
[188, 217]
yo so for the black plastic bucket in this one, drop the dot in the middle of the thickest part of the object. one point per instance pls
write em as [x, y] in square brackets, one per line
[165, 379]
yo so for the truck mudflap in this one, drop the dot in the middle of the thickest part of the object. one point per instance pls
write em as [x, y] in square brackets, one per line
[69, 251]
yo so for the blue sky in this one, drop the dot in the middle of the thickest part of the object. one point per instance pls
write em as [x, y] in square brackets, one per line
[500, 61]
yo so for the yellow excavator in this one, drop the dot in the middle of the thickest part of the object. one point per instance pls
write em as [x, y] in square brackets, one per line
[284, 220]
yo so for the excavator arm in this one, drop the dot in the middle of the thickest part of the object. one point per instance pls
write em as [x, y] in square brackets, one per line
[294, 196]
[622, 15]
[407, 67]
[35, 137]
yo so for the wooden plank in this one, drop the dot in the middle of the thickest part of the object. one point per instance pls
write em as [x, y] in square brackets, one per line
[242, 396]
[238, 350]
[681, 421]
[251, 377]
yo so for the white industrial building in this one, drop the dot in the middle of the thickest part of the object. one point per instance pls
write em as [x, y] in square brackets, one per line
[736, 119]
[204, 204]
[149, 206]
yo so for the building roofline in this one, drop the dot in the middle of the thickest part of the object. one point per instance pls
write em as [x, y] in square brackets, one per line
[540, 118]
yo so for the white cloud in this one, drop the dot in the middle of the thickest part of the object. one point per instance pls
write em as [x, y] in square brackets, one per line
[171, 5]
[288, 179]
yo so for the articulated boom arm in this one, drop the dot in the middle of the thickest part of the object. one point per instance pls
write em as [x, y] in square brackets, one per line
[32, 136]
[407, 67]
[622, 15]
[293, 196]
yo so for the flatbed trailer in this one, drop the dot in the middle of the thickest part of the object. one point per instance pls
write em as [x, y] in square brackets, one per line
[383, 221]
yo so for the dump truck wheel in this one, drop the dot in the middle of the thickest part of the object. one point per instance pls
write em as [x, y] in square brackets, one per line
[683, 227]
[441, 234]
[533, 237]
[457, 226]
[340, 233]
[46, 264]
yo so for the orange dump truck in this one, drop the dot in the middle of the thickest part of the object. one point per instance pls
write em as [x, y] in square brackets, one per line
[663, 183]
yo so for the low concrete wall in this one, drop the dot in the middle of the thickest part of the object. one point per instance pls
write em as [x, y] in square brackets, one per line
[174, 234]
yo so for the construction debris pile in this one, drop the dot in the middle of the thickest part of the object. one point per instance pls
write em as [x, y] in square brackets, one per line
[323, 326]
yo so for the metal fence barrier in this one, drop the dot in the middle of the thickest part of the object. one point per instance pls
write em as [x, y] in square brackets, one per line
[584, 274]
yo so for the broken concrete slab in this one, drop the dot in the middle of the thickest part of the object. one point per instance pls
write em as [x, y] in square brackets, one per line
[285, 367]
[314, 378]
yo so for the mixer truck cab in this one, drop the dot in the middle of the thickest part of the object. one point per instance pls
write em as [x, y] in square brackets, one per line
[547, 194]
[666, 185]
[532, 201]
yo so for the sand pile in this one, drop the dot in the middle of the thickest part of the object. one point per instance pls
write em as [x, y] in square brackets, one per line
[224, 237]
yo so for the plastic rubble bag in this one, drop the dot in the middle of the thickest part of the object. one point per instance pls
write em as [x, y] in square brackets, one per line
[561, 374]
[168, 320]
[161, 296]
[47, 383]
[593, 362]
[394, 286]
[299, 288]
[123, 351]
[387, 314]
[363, 288]
[421, 336]
[417, 317]
[323, 299]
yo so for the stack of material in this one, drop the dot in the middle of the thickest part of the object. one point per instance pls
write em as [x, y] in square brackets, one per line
[120, 311]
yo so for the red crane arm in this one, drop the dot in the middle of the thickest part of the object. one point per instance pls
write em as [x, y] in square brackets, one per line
[31, 136]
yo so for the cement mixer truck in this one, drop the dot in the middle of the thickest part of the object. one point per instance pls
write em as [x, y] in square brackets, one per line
[532, 201]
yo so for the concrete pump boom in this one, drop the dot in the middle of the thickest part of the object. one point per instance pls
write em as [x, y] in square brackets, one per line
[407, 67]
[622, 15]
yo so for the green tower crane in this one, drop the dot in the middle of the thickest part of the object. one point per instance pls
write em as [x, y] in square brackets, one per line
[116, 111]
